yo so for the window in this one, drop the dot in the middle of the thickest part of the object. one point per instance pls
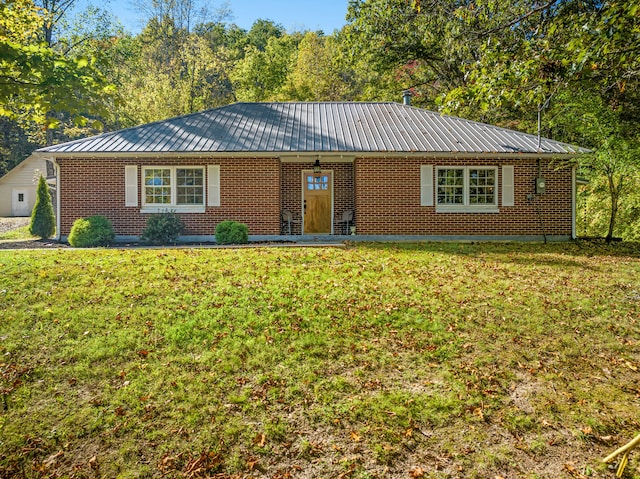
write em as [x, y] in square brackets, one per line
[190, 184]
[467, 189]
[20, 197]
[177, 188]
[451, 186]
[317, 182]
[482, 187]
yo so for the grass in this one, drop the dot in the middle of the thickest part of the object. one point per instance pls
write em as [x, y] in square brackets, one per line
[411, 360]
[21, 233]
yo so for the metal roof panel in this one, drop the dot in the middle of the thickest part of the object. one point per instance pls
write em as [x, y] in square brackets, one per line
[314, 127]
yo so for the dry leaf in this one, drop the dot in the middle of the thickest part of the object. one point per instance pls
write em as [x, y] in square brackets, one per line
[417, 472]
[355, 437]
[260, 440]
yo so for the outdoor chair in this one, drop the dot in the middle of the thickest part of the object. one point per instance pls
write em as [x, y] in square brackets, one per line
[288, 220]
[345, 221]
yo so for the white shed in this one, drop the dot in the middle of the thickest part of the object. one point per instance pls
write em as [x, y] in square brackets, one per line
[18, 187]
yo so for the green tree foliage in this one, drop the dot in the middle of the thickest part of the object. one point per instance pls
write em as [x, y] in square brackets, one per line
[35, 79]
[263, 75]
[15, 144]
[423, 48]
[43, 220]
[168, 71]
[317, 74]
[614, 166]
[262, 31]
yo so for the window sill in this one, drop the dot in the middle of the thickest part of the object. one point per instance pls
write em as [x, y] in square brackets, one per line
[173, 209]
[467, 209]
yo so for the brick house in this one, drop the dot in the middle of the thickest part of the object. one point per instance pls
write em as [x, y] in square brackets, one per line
[400, 171]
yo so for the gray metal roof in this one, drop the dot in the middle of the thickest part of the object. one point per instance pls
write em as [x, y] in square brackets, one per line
[336, 127]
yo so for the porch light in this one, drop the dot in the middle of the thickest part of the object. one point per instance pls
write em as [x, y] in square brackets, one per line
[316, 166]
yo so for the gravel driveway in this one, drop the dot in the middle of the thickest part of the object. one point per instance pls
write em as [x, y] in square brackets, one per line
[8, 224]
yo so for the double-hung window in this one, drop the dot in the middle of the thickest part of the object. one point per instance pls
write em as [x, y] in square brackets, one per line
[173, 188]
[467, 189]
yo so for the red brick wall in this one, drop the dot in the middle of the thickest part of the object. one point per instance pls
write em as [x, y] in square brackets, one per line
[292, 189]
[385, 194]
[249, 192]
[387, 198]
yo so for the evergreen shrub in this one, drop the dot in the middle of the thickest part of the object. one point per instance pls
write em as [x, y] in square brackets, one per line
[90, 232]
[163, 228]
[232, 232]
[43, 220]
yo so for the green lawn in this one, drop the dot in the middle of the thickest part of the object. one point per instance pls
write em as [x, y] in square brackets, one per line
[431, 360]
[21, 233]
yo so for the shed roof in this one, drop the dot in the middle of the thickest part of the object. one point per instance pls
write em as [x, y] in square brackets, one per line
[314, 127]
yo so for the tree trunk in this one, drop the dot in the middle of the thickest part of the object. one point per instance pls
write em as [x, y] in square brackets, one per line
[614, 192]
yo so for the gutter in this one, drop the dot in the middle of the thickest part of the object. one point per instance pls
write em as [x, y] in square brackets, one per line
[292, 157]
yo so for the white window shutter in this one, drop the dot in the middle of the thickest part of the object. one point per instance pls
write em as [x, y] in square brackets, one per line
[213, 185]
[426, 185]
[131, 185]
[508, 186]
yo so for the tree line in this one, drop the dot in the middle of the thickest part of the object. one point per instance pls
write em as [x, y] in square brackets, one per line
[566, 69]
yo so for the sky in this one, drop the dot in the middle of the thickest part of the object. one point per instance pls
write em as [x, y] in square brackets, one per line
[293, 15]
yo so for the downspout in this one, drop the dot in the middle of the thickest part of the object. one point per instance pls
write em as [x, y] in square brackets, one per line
[58, 212]
[574, 206]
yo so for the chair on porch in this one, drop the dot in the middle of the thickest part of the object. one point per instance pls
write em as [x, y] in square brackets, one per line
[345, 221]
[288, 219]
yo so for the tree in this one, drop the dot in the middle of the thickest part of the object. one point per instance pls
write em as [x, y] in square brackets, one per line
[614, 167]
[262, 31]
[35, 79]
[263, 75]
[425, 48]
[15, 144]
[317, 74]
[43, 220]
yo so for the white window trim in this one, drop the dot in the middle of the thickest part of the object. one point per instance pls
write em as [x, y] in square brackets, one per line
[155, 208]
[466, 207]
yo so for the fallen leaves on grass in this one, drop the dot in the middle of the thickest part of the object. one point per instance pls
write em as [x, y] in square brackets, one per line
[192, 467]
[571, 469]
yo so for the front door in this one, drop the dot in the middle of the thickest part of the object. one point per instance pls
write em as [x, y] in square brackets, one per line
[317, 191]
[20, 203]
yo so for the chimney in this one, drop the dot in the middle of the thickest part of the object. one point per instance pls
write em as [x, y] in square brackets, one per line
[406, 97]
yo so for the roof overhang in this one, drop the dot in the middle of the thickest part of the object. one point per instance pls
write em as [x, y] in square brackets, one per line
[287, 157]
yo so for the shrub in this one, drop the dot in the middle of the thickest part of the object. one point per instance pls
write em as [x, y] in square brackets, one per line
[163, 228]
[232, 232]
[43, 220]
[90, 232]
